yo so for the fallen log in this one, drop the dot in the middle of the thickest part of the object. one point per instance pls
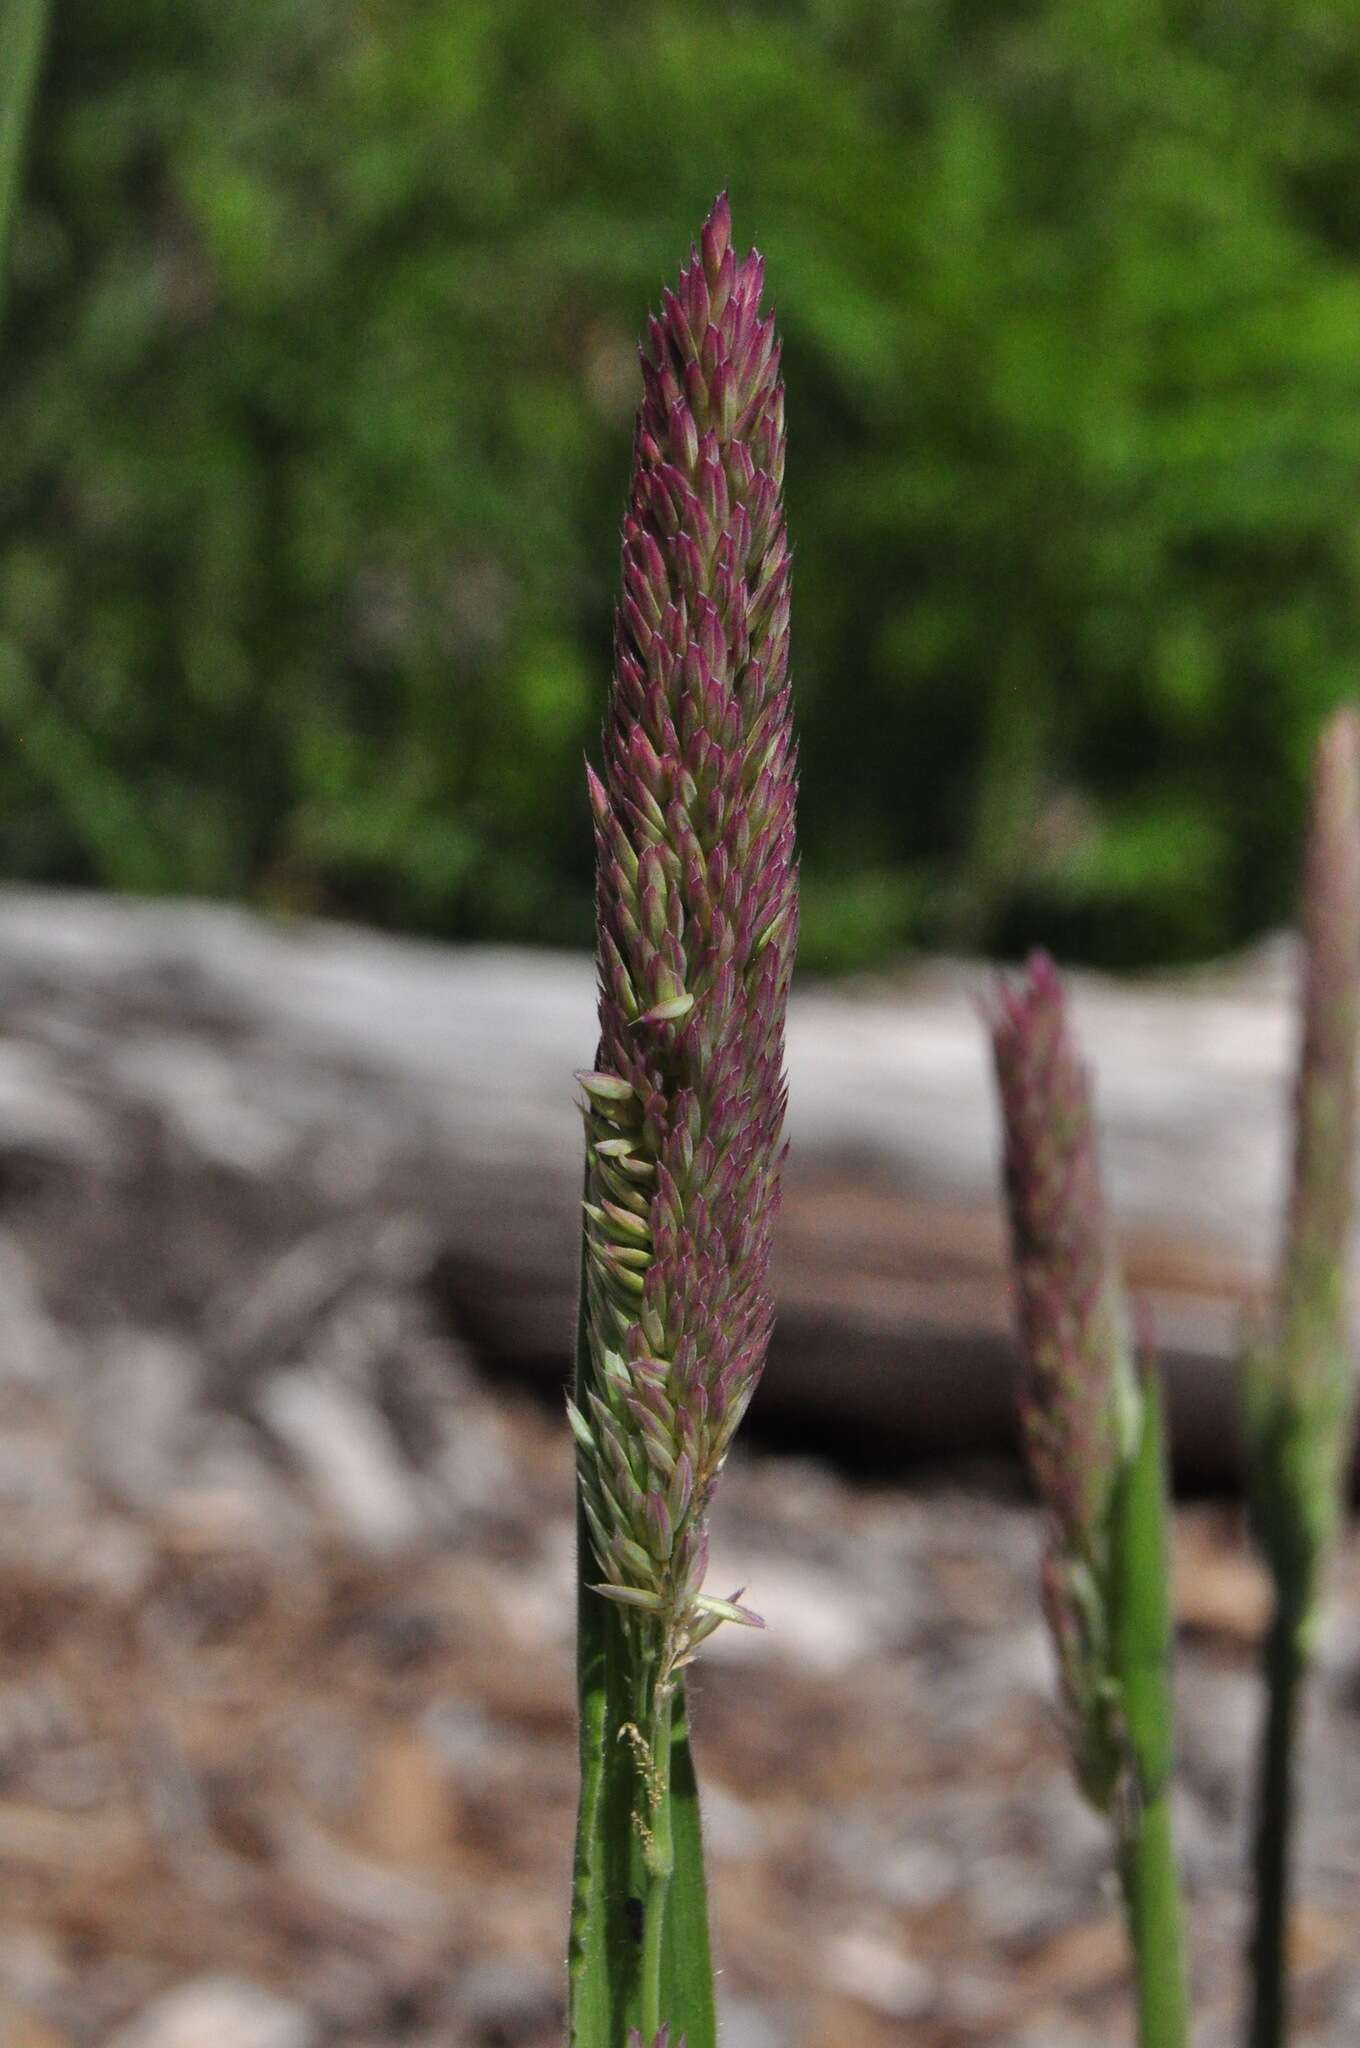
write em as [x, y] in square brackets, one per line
[192, 1096]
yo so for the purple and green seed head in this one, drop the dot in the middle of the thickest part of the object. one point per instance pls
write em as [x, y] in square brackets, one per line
[696, 925]
[1079, 1396]
[1069, 1301]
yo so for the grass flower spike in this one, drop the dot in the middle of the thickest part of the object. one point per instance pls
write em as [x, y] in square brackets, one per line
[1299, 1391]
[1079, 1395]
[696, 904]
[697, 913]
[1092, 1434]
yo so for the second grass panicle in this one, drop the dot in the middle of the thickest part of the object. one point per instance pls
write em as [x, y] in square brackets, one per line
[1079, 1394]
[1093, 1435]
[694, 827]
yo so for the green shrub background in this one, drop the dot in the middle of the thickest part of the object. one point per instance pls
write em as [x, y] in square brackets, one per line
[315, 393]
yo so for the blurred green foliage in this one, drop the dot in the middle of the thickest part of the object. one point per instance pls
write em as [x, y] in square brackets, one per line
[315, 412]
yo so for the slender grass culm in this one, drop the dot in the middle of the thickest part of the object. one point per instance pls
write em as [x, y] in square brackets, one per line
[1092, 1430]
[696, 912]
[1299, 1387]
[23, 31]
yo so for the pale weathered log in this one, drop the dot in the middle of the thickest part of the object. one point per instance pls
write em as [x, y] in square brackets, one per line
[246, 1091]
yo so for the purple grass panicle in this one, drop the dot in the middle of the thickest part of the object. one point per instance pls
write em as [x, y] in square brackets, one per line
[1079, 1395]
[696, 922]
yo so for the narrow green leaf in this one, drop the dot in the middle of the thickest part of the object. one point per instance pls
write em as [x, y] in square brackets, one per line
[687, 1964]
[602, 1952]
[1141, 1599]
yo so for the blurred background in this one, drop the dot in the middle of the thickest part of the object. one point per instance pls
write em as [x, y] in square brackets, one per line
[317, 372]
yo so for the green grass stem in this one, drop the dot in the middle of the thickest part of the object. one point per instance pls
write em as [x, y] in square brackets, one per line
[1143, 1639]
[1285, 1664]
[1152, 1905]
[659, 1858]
